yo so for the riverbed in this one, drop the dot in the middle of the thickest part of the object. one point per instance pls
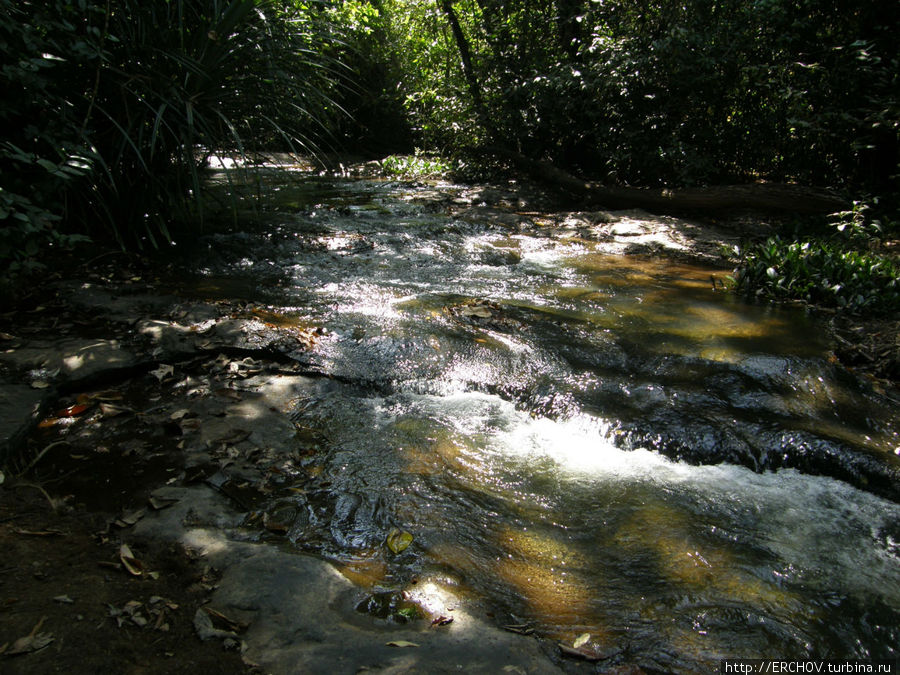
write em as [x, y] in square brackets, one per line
[559, 422]
[585, 442]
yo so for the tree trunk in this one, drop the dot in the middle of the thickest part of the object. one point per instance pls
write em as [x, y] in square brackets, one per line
[764, 196]
[465, 55]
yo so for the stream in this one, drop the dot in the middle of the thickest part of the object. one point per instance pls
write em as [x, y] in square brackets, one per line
[578, 442]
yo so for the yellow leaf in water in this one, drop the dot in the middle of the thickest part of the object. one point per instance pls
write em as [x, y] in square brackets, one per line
[581, 640]
[398, 540]
[401, 643]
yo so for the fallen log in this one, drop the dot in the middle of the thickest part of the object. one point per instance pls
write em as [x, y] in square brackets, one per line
[779, 197]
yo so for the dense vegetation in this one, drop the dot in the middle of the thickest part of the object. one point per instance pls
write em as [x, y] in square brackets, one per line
[664, 92]
[110, 106]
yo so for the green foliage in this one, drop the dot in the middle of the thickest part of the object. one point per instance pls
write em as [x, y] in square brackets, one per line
[180, 77]
[418, 165]
[42, 153]
[858, 226]
[375, 123]
[710, 91]
[820, 273]
[109, 108]
[430, 81]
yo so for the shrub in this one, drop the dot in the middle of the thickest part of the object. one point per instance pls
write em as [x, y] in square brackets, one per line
[820, 273]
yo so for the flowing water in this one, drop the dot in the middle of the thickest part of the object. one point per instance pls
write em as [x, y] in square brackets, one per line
[578, 442]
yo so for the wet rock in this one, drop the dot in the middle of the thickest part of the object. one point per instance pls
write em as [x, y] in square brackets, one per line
[495, 217]
[499, 257]
[391, 606]
[167, 337]
[298, 614]
[628, 228]
[71, 360]
[354, 524]
[583, 220]
[20, 409]
[117, 304]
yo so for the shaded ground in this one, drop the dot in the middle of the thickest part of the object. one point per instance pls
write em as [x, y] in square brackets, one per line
[61, 582]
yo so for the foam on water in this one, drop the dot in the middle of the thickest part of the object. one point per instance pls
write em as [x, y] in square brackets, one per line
[830, 530]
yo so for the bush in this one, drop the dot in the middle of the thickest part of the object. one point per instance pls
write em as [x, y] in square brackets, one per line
[820, 273]
[418, 165]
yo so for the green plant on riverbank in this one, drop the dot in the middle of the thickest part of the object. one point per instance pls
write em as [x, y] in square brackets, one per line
[822, 273]
[418, 165]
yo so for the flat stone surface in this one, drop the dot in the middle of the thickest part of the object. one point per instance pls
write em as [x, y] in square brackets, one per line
[179, 338]
[69, 359]
[121, 304]
[300, 611]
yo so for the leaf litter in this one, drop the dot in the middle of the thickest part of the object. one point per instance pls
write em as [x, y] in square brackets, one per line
[32, 642]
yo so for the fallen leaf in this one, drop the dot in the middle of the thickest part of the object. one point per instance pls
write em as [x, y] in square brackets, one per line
[110, 410]
[192, 423]
[578, 653]
[38, 384]
[109, 564]
[398, 540]
[222, 622]
[134, 566]
[72, 411]
[130, 518]
[161, 622]
[234, 436]
[160, 503]
[178, 414]
[32, 642]
[581, 640]
[163, 371]
[107, 395]
[401, 643]
[64, 599]
[40, 533]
